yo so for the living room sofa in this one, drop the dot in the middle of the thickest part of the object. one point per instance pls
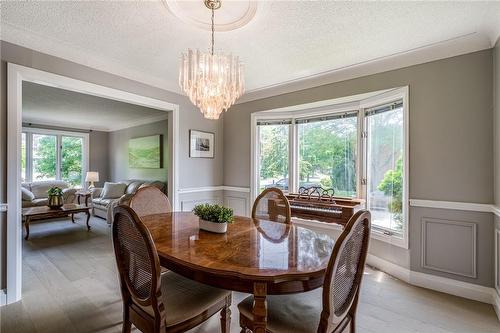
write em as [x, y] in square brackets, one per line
[35, 193]
[117, 194]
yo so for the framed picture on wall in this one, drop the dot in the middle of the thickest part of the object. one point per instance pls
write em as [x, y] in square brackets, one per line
[145, 152]
[201, 144]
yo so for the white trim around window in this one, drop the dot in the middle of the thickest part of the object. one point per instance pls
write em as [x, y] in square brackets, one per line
[387, 96]
[58, 134]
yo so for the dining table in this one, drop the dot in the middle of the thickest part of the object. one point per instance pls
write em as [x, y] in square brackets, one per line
[254, 256]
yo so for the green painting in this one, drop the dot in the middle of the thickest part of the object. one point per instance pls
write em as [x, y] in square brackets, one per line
[145, 152]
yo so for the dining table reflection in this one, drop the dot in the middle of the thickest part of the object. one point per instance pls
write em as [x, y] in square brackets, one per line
[254, 256]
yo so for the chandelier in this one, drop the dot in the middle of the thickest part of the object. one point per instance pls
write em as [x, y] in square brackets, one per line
[212, 81]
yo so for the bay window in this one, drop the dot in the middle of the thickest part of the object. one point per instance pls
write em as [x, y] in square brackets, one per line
[327, 152]
[359, 149]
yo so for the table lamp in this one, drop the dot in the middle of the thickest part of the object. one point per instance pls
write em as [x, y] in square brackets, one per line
[92, 176]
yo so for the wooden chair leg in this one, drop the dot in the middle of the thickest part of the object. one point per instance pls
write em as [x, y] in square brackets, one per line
[127, 325]
[225, 317]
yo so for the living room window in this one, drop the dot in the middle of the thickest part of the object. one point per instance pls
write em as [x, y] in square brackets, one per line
[358, 148]
[54, 155]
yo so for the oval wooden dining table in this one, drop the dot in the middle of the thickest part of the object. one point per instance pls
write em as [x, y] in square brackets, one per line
[255, 256]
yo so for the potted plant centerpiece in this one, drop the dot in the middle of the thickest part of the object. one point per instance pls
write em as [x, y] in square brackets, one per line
[55, 197]
[213, 218]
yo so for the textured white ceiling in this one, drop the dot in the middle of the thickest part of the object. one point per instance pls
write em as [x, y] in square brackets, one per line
[58, 107]
[285, 41]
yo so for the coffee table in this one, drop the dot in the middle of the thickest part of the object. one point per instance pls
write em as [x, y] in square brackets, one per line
[43, 212]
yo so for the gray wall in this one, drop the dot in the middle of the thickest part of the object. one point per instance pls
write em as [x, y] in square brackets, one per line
[448, 98]
[99, 155]
[496, 91]
[118, 152]
[193, 172]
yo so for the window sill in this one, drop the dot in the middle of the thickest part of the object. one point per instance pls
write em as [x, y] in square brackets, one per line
[379, 235]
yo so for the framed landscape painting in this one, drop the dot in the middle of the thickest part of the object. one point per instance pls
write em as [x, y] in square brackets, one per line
[145, 152]
[202, 144]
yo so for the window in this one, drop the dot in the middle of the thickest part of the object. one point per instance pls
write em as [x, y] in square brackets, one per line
[384, 159]
[273, 154]
[44, 152]
[53, 155]
[72, 160]
[359, 149]
[327, 152]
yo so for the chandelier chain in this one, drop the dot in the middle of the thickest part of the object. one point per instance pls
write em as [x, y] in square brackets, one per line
[213, 30]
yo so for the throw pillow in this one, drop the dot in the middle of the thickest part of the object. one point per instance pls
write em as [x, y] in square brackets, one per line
[26, 194]
[113, 190]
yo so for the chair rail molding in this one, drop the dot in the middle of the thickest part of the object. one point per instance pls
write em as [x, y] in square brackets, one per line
[213, 188]
[455, 205]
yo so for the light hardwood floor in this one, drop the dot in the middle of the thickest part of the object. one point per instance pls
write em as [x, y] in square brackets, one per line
[70, 285]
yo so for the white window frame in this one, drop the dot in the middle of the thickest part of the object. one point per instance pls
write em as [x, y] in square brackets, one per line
[58, 134]
[400, 240]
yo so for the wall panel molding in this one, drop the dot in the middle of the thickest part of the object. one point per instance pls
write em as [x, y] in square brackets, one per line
[188, 204]
[237, 204]
[434, 249]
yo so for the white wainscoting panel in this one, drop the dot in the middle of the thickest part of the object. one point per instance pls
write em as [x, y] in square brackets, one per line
[3, 297]
[441, 237]
[188, 205]
[237, 204]
[497, 260]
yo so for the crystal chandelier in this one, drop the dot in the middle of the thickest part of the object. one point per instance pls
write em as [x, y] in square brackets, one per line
[212, 81]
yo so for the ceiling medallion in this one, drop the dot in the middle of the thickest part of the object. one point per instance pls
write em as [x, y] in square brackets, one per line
[212, 81]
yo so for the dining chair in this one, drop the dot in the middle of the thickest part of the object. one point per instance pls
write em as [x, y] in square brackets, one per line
[328, 309]
[272, 205]
[156, 301]
[150, 200]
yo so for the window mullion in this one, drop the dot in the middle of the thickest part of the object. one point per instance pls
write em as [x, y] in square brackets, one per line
[293, 168]
[362, 156]
[29, 156]
[58, 156]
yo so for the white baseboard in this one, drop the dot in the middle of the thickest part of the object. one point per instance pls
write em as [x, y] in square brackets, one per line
[3, 297]
[496, 304]
[388, 267]
[453, 287]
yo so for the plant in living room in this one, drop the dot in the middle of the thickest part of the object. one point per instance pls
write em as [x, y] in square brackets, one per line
[55, 197]
[214, 217]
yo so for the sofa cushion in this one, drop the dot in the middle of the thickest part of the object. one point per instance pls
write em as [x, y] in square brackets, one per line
[113, 190]
[133, 186]
[101, 202]
[40, 202]
[26, 194]
[156, 183]
[40, 188]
